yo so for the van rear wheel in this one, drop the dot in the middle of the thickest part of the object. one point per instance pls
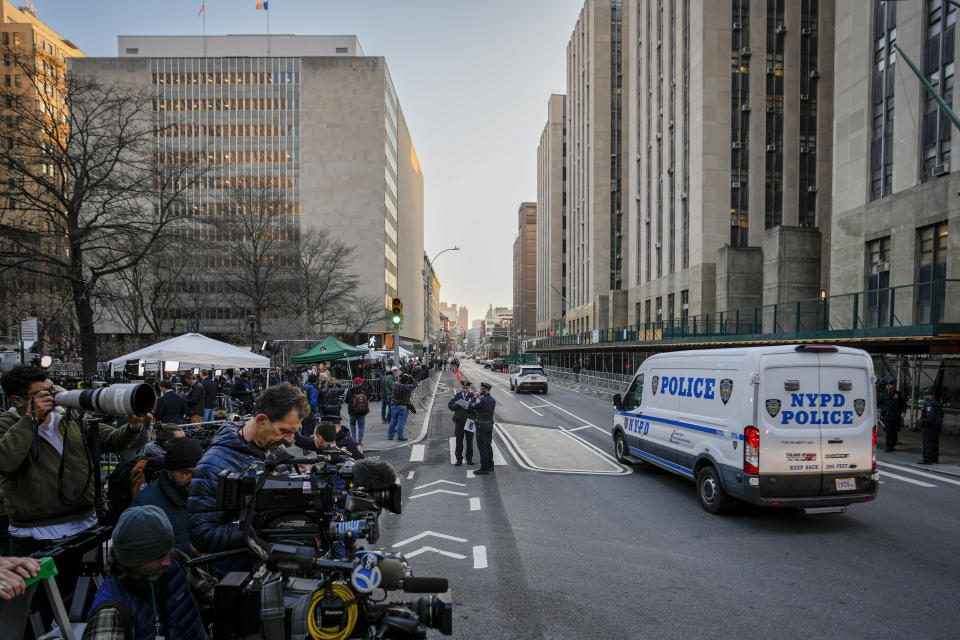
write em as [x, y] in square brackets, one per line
[710, 491]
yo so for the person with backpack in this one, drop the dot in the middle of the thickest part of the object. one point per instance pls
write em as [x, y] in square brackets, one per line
[332, 400]
[358, 406]
[171, 488]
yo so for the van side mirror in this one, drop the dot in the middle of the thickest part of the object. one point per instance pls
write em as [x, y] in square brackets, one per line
[617, 400]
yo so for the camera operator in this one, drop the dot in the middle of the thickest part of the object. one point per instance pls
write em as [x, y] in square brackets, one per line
[332, 433]
[170, 489]
[148, 593]
[277, 417]
[12, 573]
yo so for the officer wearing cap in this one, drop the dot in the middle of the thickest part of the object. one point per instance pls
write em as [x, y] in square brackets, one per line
[483, 407]
[892, 407]
[931, 420]
[146, 593]
[460, 416]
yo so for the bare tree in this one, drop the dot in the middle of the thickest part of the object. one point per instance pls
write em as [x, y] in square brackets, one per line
[90, 187]
[356, 314]
[323, 277]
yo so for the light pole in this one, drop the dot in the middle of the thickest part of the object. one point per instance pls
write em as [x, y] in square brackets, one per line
[252, 322]
[428, 290]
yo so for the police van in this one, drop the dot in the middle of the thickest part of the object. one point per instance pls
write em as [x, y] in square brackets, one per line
[783, 426]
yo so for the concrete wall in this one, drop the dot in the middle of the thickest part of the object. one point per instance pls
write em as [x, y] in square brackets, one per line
[410, 234]
[550, 211]
[739, 279]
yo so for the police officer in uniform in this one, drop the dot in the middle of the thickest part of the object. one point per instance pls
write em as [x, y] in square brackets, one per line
[483, 407]
[931, 419]
[460, 417]
[892, 408]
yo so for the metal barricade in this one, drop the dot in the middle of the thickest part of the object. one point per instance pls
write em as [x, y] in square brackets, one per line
[600, 383]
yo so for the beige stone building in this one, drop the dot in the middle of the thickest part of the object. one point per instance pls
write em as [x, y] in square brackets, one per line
[525, 272]
[315, 119]
[895, 190]
[551, 220]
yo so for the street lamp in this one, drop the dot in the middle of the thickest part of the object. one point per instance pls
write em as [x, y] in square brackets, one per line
[252, 322]
[428, 291]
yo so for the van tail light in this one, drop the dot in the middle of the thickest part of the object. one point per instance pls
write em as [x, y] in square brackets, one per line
[873, 451]
[751, 450]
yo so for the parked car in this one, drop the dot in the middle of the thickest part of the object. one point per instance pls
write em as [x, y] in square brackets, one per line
[529, 377]
[499, 364]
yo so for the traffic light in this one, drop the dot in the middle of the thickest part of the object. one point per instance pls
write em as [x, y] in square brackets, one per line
[397, 312]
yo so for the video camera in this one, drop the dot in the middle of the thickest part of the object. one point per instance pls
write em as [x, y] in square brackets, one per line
[313, 581]
[116, 400]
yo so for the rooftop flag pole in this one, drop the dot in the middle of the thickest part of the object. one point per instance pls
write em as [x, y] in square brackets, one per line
[265, 6]
[203, 13]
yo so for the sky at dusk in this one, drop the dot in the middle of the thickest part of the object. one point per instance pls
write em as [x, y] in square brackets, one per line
[473, 80]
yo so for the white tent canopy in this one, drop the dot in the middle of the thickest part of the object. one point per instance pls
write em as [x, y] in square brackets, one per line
[377, 355]
[196, 350]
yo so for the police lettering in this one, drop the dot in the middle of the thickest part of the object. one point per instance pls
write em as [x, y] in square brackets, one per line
[816, 401]
[688, 387]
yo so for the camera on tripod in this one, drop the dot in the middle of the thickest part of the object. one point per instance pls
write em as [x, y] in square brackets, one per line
[314, 581]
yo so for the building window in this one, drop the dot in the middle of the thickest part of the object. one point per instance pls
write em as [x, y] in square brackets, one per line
[773, 171]
[809, 74]
[740, 123]
[884, 81]
[932, 269]
[659, 306]
[616, 169]
[646, 311]
[878, 283]
[938, 66]
[684, 306]
[132, 51]
[685, 196]
[670, 301]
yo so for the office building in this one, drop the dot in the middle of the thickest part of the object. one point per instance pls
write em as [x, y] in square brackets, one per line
[552, 220]
[728, 108]
[895, 188]
[525, 272]
[595, 166]
[309, 119]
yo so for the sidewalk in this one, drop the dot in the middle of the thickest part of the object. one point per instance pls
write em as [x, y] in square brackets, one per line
[909, 452]
[375, 431]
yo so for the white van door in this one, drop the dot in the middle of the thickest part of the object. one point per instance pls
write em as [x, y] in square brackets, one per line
[847, 431]
[790, 437]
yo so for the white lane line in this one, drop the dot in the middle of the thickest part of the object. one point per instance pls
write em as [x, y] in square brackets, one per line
[497, 456]
[531, 408]
[924, 474]
[474, 504]
[417, 452]
[586, 426]
[479, 557]
[885, 474]
[424, 535]
[410, 476]
[449, 554]
[430, 484]
[430, 493]
[453, 449]
[586, 423]
[538, 406]
[470, 474]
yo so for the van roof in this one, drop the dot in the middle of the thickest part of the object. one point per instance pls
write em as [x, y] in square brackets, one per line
[750, 351]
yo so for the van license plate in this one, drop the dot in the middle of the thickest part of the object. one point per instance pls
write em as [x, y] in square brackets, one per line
[846, 484]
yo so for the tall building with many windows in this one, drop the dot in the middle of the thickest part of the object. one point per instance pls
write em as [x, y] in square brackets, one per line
[552, 220]
[309, 119]
[525, 272]
[729, 119]
[595, 165]
[895, 189]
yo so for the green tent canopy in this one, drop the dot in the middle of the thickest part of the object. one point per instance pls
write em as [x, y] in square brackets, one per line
[328, 349]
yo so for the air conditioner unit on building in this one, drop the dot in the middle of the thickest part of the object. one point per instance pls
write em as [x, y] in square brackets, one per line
[770, 70]
[804, 149]
[770, 108]
[683, 195]
[814, 74]
[737, 26]
[804, 97]
[881, 267]
[746, 51]
[941, 169]
[734, 185]
[684, 306]
[658, 44]
[771, 147]
[638, 197]
[670, 170]
[658, 245]
[670, 124]
[781, 29]
[736, 145]
[812, 188]
[659, 135]
[647, 219]
[805, 31]
[744, 107]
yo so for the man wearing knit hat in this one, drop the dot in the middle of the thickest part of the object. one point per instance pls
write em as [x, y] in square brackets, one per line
[170, 489]
[147, 593]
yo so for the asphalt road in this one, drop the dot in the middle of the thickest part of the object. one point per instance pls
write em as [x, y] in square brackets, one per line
[563, 543]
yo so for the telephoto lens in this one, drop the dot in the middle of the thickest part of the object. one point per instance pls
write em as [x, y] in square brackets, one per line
[116, 400]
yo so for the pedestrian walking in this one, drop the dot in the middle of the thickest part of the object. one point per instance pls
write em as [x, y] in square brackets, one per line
[483, 408]
[931, 420]
[892, 407]
[460, 405]
[399, 399]
[358, 406]
[389, 379]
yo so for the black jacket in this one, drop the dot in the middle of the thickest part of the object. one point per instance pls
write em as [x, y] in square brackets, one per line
[460, 415]
[209, 393]
[483, 407]
[195, 399]
[171, 407]
[931, 416]
[351, 392]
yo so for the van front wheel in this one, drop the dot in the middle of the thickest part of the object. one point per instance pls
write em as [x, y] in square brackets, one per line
[710, 491]
[620, 448]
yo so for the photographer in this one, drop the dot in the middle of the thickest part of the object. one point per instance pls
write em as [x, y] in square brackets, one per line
[331, 433]
[147, 593]
[277, 417]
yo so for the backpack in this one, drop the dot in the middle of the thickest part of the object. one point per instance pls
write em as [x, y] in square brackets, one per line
[331, 402]
[127, 479]
[359, 404]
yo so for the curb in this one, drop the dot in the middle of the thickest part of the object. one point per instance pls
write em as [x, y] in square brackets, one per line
[423, 428]
[924, 467]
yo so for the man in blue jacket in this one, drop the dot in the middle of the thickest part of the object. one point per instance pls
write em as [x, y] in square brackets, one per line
[170, 489]
[276, 419]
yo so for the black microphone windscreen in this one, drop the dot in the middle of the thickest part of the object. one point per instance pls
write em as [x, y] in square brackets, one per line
[373, 474]
[391, 571]
[425, 585]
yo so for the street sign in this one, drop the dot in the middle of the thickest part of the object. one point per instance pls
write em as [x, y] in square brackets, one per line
[29, 331]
